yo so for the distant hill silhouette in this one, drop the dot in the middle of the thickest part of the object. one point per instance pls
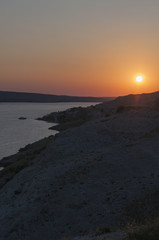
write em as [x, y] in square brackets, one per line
[145, 99]
[47, 98]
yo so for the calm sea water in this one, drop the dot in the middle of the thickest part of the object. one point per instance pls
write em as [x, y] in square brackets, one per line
[15, 133]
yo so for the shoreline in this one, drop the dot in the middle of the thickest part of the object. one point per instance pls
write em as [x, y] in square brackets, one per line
[7, 163]
[13, 164]
[34, 118]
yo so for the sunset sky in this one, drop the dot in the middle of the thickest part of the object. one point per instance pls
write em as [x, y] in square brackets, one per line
[79, 47]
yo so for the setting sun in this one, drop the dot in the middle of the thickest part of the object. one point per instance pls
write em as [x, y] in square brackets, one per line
[139, 79]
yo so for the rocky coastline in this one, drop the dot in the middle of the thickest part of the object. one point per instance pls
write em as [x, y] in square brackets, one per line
[100, 172]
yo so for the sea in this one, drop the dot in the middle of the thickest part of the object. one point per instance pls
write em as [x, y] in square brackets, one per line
[16, 133]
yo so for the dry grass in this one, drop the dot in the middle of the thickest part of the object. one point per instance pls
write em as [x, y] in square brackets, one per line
[148, 231]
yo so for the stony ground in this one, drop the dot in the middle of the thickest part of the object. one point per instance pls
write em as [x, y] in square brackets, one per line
[84, 180]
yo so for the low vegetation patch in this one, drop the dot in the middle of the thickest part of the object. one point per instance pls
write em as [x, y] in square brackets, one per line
[149, 231]
[16, 167]
[16, 163]
[122, 108]
[146, 207]
[143, 214]
[10, 171]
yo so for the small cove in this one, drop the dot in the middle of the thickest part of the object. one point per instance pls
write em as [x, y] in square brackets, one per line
[16, 133]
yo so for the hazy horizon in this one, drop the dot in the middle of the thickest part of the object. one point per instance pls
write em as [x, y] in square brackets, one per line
[79, 48]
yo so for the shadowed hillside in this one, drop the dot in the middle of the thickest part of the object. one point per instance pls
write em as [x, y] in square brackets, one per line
[98, 175]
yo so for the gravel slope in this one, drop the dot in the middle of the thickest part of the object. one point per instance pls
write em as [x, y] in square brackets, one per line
[84, 179]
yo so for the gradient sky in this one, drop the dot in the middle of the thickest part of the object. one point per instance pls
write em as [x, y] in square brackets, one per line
[79, 47]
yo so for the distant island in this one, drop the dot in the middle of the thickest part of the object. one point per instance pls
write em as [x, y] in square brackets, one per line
[47, 98]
